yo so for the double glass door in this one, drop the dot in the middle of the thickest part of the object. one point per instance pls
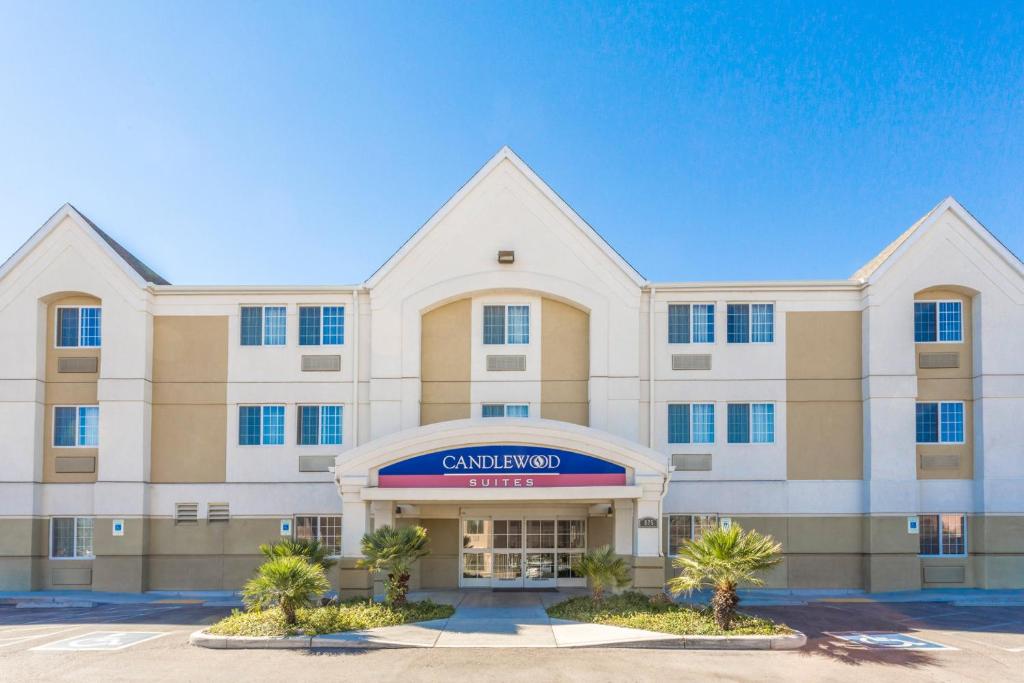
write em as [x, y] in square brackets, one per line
[521, 552]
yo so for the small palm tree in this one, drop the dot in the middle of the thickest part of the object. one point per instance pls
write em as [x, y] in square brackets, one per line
[392, 550]
[604, 569]
[722, 559]
[313, 550]
[286, 582]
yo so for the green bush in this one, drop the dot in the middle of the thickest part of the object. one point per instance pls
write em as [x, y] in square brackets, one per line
[392, 550]
[636, 610]
[314, 551]
[288, 582]
[603, 569]
[349, 616]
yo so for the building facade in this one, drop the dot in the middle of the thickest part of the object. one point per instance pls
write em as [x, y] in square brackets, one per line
[511, 383]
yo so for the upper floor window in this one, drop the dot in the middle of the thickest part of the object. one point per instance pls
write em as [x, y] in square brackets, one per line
[750, 323]
[940, 422]
[260, 425]
[71, 537]
[79, 326]
[943, 534]
[691, 323]
[691, 423]
[76, 426]
[321, 325]
[264, 325]
[505, 410]
[684, 528]
[507, 324]
[320, 425]
[751, 422]
[938, 321]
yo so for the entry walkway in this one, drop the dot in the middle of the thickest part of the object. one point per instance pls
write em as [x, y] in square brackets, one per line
[488, 619]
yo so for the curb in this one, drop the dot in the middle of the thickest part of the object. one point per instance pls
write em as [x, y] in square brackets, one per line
[790, 641]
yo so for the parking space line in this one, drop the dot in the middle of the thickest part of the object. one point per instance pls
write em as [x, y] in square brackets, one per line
[101, 641]
[24, 639]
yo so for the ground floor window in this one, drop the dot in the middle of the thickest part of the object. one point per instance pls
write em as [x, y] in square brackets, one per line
[944, 534]
[71, 537]
[323, 528]
[683, 528]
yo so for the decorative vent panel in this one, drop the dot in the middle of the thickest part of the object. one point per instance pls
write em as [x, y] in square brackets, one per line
[321, 363]
[506, 363]
[691, 361]
[84, 364]
[942, 359]
[692, 462]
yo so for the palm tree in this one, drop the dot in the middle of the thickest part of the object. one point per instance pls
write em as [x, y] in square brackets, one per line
[313, 550]
[392, 550]
[286, 582]
[604, 569]
[723, 559]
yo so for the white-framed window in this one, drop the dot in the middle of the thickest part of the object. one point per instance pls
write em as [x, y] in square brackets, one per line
[750, 422]
[321, 325]
[71, 538]
[683, 528]
[505, 410]
[691, 323]
[691, 423]
[323, 528]
[940, 422]
[261, 425]
[750, 323]
[507, 324]
[320, 425]
[76, 426]
[78, 326]
[943, 534]
[263, 325]
[938, 321]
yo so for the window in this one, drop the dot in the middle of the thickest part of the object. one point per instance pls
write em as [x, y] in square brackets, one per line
[264, 325]
[943, 534]
[938, 321]
[751, 422]
[691, 323]
[79, 326]
[505, 410]
[260, 425]
[321, 325]
[71, 537]
[940, 422]
[683, 528]
[691, 423]
[323, 528]
[506, 324]
[76, 426]
[320, 425]
[747, 323]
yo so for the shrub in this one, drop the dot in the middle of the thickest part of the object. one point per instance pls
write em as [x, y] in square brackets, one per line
[313, 550]
[604, 569]
[286, 582]
[392, 550]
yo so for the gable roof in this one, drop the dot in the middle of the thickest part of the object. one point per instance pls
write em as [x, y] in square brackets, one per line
[874, 268]
[506, 153]
[135, 268]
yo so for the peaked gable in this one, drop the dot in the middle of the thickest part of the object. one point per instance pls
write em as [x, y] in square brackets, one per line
[876, 267]
[131, 264]
[505, 154]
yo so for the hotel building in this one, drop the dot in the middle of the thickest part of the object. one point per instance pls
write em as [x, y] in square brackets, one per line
[508, 381]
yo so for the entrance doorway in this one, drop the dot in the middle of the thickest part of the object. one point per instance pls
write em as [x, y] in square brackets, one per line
[521, 552]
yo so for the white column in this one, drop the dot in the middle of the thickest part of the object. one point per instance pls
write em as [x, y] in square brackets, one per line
[383, 512]
[355, 514]
[624, 525]
[648, 541]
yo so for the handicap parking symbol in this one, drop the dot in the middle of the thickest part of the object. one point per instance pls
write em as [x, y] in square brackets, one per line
[99, 641]
[888, 641]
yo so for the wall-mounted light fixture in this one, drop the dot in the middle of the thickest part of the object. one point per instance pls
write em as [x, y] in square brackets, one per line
[506, 256]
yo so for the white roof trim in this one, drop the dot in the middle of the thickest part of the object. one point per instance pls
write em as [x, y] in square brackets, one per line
[68, 211]
[505, 153]
[950, 204]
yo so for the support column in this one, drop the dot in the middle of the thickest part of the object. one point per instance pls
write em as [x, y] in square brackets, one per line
[648, 559]
[353, 581]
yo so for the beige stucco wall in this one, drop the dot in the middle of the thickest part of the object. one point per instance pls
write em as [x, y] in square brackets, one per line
[445, 362]
[190, 371]
[440, 569]
[824, 414]
[565, 363]
[76, 388]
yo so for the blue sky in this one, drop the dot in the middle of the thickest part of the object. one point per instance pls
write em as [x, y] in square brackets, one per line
[304, 142]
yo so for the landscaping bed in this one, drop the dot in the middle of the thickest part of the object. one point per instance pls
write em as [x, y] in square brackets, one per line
[636, 610]
[353, 615]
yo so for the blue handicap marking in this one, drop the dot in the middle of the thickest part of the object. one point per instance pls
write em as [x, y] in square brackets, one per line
[888, 640]
[100, 640]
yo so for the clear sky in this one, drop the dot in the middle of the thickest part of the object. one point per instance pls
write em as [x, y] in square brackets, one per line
[299, 142]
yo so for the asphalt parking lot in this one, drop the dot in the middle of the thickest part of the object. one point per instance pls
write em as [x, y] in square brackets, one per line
[847, 641]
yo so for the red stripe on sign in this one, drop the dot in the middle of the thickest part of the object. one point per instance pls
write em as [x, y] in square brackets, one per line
[497, 481]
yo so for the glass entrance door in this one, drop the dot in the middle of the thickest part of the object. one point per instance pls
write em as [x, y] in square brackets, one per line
[521, 552]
